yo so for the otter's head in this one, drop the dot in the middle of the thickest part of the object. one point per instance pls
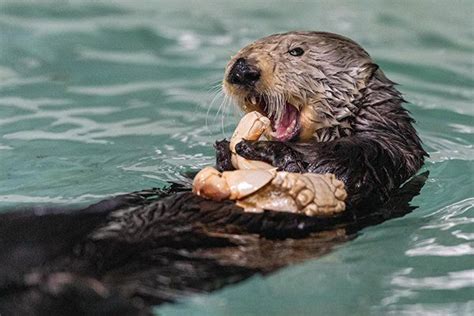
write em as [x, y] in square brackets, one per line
[306, 83]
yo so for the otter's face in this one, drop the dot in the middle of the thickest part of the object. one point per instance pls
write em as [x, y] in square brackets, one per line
[292, 78]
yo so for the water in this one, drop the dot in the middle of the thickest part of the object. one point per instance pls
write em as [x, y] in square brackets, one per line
[104, 97]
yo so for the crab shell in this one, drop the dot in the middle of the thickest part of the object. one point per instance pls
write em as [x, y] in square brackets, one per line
[310, 194]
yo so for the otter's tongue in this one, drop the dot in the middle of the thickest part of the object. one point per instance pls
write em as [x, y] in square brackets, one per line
[287, 127]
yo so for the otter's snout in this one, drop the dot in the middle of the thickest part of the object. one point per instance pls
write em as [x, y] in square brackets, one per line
[243, 73]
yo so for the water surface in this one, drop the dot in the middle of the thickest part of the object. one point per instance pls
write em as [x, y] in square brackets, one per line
[104, 97]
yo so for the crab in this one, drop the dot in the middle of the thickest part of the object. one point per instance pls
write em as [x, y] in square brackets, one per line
[257, 186]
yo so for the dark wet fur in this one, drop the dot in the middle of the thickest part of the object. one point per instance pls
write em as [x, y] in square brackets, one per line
[124, 254]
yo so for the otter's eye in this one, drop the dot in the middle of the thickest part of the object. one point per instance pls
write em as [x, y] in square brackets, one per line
[297, 51]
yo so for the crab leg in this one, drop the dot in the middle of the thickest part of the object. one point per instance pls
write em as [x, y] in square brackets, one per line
[250, 127]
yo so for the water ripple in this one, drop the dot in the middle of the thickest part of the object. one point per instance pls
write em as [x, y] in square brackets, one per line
[100, 97]
[445, 149]
[121, 89]
[451, 211]
[441, 251]
[451, 281]
[459, 215]
[129, 57]
[32, 104]
[28, 199]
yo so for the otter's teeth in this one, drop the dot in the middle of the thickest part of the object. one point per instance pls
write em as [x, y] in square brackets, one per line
[253, 99]
[290, 128]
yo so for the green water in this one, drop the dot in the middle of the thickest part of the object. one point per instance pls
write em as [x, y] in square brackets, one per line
[105, 97]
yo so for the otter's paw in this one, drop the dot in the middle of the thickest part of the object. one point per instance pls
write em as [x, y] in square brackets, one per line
[277, 154]
[223, 156]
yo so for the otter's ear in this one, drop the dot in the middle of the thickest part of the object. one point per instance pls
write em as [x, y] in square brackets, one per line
[365, 74]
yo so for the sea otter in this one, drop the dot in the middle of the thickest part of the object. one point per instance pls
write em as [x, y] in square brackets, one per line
[332, 110]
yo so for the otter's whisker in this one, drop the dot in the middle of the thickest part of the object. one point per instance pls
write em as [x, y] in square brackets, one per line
[221, 109]
[275, 107]
[237, 110]
[226, 107]
[280, 106]
[223, 115]
[268, 104]
[276, 102]
[221, 106]
[218, 94]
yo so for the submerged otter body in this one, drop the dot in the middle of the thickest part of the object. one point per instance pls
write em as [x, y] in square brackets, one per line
[332, 111]
[125, 254]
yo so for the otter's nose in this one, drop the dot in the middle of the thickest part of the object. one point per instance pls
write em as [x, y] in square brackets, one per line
[242, 73]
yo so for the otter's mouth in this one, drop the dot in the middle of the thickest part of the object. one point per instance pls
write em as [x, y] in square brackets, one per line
[285, 118]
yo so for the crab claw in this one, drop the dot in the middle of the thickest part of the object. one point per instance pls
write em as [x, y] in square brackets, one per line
[211, 184]
[250, 127]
